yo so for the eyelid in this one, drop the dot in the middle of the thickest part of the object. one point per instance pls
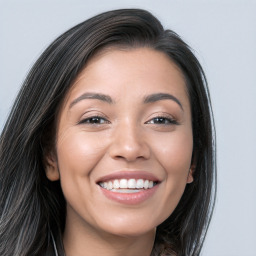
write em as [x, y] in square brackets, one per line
[93, 114]
[84, 121]
[172, 120]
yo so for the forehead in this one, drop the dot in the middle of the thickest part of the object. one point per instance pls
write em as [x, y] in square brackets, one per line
[130, 72]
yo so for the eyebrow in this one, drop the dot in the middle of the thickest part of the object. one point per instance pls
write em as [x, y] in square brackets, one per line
[88, 95]
[105, 98]
[161, 96]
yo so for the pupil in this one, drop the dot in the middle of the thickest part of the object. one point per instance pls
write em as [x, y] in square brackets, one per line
[95, 120]
[160, 120]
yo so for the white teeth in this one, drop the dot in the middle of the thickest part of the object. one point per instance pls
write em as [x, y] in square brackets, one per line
[123, 183]
[132, 183]
[116, 184]
[126, 184]
[110, 186]
[140, 183]
[146, 182]
[129, 191]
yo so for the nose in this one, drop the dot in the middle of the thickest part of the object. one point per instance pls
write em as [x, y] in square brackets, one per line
[129, 143]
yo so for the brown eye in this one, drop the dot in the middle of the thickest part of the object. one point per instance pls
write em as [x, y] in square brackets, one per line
[162, 120]
[94, 120]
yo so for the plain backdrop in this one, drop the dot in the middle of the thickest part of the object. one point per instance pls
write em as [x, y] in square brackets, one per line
[223, 35]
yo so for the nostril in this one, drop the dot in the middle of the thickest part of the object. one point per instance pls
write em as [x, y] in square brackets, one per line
[129, 158]
[129, 145]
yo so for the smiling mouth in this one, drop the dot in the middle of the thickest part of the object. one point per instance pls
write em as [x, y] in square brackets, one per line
[128, 185]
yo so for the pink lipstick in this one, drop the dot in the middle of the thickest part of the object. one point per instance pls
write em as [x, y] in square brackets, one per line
[129, 187]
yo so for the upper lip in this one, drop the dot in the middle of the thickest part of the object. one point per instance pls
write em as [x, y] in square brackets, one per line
[128, 175]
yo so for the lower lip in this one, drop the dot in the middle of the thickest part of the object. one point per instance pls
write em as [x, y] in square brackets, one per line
[130, 198]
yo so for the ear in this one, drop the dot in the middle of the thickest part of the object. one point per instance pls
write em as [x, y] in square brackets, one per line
[190, 177]
[51, 167]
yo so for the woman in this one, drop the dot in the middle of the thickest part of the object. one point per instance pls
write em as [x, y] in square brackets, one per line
[109, 148]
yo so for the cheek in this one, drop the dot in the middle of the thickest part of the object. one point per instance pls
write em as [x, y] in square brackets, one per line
[174, 153]
[79, 152]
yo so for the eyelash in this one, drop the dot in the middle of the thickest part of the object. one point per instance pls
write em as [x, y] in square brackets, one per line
[97, 120]
[93, 120]
[162, 120]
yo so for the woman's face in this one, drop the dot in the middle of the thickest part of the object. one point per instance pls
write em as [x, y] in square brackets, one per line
[124, 143]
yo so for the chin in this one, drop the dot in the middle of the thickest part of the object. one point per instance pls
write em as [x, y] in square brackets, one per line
[130, 227]
[130, 232]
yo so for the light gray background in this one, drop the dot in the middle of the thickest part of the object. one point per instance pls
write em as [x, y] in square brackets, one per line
[223, 34]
